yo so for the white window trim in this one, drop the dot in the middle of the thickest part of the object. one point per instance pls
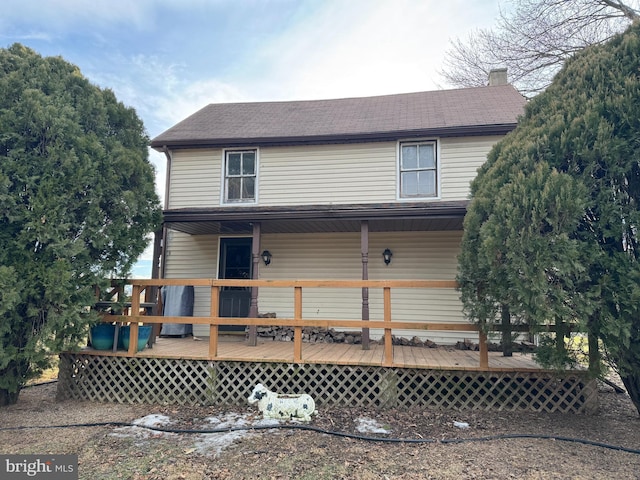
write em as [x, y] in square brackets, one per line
[223, 176]
[438, 195]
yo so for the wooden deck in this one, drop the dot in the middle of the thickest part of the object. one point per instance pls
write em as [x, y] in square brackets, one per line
[183, 371]
[221, 369]
[235, 348]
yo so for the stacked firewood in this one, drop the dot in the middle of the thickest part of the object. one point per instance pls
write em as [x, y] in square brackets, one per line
[309, 335]
[323, 335]
[517, 346]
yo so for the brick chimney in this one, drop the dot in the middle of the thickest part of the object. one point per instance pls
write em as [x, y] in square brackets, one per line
[498, 76]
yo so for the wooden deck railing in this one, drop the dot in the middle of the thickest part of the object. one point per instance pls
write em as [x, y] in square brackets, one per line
[137, 314]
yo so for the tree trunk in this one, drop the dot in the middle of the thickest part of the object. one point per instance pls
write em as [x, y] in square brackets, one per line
[13, 378]
[632, 384]
[7, 397]
[507, 344]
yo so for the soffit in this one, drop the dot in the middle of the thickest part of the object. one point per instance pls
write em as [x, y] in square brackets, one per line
[318, 219]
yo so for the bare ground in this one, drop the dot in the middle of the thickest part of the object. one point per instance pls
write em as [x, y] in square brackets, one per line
[108, 452]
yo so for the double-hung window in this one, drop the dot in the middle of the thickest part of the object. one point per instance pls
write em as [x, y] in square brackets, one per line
[240, 176]
[418, 170]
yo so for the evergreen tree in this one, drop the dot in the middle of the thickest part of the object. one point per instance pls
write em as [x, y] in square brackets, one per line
[77, 201]
[552, 228]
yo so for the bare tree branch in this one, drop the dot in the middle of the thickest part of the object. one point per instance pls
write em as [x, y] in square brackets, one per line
[625, 9]
[534, 38]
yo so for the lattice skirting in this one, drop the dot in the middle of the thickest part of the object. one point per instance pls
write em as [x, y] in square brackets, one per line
[202, 382]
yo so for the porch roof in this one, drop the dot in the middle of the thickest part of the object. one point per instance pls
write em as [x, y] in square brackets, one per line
[419, 216]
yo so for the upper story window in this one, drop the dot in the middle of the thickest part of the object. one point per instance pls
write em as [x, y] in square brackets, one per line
[418, 170]
[240, 176]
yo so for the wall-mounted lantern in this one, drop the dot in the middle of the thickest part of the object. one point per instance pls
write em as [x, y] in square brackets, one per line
[266, 257]
[386, 255]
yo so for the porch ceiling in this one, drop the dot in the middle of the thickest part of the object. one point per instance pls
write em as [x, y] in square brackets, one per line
[321, 218]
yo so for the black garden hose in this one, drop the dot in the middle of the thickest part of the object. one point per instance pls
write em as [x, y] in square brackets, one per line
[339, 434]
[353, 436]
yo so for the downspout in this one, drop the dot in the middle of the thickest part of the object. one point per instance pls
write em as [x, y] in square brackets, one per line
[159, 250]
[167, 153]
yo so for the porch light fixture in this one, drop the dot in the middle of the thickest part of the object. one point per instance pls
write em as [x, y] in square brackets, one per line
[266, 257]
[387, 254]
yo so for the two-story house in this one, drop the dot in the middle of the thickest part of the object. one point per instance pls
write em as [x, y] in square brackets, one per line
[352, 188]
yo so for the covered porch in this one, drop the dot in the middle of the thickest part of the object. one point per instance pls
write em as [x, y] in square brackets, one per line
[408, 241]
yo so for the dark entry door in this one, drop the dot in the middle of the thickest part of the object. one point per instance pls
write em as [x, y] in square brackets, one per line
[235, 262]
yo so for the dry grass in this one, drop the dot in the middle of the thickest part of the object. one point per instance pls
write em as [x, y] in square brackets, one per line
[109, 453]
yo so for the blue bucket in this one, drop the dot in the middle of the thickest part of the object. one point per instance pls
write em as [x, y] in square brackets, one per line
[144, 332]
[101, 336]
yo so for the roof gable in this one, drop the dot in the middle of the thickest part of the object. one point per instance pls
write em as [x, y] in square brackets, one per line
[479, 110]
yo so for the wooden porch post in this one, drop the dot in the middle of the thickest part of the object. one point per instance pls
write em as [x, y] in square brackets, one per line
[364, 248]
[152, 294]
[133, 326]
[255, 259]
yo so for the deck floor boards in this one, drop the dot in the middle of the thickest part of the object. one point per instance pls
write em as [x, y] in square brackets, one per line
[234, 348]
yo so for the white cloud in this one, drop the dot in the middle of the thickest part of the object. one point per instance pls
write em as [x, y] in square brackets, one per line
[62, 14]
[363, 48]
[158, 90]
[29, 36]
[179, 103]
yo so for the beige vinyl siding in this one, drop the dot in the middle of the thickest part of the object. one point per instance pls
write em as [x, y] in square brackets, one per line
[460, 159]
[416, 255]
[321, 174]
[193, 256]
[316, 256]
[195, 178]
[425, 256]
[360, 173]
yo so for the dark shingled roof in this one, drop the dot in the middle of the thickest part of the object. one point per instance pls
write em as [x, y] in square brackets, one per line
[467, 111]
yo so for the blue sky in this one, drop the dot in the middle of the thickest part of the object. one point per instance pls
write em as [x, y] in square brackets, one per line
[169, 58]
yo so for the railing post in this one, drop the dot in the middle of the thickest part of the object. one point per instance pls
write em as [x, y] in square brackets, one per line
[484, 349]
[388, 339]
[133, 326]
[297, 330]
[213, 327]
